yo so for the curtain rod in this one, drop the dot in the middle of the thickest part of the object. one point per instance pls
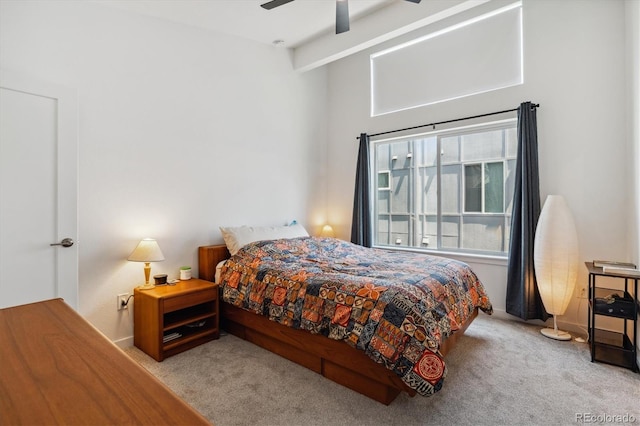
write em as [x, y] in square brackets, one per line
[449, 121]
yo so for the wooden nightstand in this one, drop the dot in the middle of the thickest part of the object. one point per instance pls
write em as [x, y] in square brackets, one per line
[187, 311]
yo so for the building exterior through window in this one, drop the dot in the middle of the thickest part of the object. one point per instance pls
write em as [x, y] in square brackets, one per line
[446, 190]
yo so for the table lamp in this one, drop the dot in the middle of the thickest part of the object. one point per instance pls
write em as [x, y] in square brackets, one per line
[146, 251]
[327, 231]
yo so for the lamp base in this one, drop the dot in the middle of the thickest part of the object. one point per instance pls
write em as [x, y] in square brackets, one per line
[146, 286]
[555, 334]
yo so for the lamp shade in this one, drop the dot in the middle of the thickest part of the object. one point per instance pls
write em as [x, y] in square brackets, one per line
[147, 250]
[327, 231]
[555, 255]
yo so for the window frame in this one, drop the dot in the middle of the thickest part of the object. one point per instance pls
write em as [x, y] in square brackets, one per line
[483, 189]
[418, 217]
[388, 173]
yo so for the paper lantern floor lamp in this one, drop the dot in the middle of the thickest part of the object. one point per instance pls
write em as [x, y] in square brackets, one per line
[555, 257]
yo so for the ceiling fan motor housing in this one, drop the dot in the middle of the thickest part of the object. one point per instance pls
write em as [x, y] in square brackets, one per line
[342, 12]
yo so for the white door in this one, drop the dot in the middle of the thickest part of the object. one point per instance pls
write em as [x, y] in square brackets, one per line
[38, 191]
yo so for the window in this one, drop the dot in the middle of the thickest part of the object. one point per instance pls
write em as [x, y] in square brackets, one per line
[446, 190]
[383, 180]
[484, 187]
[477, 55]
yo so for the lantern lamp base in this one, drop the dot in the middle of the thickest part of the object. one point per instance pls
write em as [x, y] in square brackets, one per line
[555, 334]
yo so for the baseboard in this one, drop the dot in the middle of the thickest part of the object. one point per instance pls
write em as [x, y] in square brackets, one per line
[127, 342]
[574, 328]
[502, 314]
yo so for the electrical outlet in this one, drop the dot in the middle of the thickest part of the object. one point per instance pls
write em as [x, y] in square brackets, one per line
[583, 293]
[122, 300]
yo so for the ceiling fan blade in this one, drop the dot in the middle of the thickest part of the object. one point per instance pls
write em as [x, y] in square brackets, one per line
[415, 1]
[342, 16]
[275, 3]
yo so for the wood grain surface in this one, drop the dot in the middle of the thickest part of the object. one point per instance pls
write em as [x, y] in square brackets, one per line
[58, 369]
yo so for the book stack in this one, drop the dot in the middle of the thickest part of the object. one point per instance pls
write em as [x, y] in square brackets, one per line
[617, 268]
[171, 336]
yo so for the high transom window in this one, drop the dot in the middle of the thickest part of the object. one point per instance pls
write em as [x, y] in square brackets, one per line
[477, 55]
[446, 190]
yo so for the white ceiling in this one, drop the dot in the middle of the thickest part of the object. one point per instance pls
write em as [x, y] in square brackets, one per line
[307, 27]
[295, 23]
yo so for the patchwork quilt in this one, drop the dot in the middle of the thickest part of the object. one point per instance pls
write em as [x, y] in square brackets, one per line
[396, 307]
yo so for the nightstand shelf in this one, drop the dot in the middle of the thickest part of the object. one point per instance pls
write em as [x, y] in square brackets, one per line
[624, 307]
[181, 342]
[611, 347]
[179, 318]
[187, 312]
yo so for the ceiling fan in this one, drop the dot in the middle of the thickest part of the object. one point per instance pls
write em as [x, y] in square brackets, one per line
[342, 12]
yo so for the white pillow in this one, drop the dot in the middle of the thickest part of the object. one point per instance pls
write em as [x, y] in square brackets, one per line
[237, 237]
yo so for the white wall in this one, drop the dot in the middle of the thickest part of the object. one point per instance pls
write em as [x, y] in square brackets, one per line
[181, 131]
[632, 14]
[574, 66]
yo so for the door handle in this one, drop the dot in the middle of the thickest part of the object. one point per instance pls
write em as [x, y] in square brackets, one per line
[66, 242]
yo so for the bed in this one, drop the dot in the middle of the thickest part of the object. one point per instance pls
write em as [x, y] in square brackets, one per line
[376, 321]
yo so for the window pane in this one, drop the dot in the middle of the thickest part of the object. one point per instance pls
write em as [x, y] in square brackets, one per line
[383, 180]
[382, 157]
[399, 151]
[511, 140]
[482, 146]
[473, 188]
[494, 187]
[384, 201]
[428, 149]
[431, 230]
[509, 184]
[400, 230]
[507, 233]
[450, 150]
[482, 233]
[383, 239]
[450, 198]
[429, 186]
[427, 236]
[400, 191]
[450, 232]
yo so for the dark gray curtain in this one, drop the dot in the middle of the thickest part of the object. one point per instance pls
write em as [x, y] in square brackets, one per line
[361, 231]
[523, 298]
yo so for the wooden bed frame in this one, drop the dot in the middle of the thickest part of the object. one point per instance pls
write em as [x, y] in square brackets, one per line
[333, 359]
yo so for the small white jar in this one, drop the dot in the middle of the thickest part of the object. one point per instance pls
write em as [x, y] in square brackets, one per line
[185, 273]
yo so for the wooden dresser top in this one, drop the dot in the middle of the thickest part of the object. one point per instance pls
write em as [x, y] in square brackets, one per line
[56, 368]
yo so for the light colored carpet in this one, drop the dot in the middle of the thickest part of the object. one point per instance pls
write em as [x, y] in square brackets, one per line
[500, 373]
